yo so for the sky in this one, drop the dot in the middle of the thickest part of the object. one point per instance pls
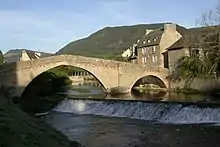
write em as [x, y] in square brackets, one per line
[49, 25]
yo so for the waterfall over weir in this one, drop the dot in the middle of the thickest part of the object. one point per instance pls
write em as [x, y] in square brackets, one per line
[175, 113]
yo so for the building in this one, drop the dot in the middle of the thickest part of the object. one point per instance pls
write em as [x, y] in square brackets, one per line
[23, 55]
[152, 49]
[130, 54]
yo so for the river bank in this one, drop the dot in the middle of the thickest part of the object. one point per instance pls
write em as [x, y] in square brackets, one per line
[99, 131]
[143, 88]
[19, 129]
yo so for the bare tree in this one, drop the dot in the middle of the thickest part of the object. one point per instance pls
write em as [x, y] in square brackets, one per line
[205, 39]
[209, 36]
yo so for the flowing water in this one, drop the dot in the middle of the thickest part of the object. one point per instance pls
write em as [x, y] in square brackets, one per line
[98, 120]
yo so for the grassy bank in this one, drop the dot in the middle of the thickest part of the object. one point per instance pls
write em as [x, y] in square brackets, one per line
[18, 129]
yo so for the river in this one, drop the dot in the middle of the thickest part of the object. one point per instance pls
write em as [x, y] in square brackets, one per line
[95, 119]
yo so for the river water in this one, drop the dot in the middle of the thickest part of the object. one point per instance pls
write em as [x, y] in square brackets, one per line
[95, 119]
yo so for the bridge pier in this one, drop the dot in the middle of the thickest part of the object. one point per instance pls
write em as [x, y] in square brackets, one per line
[118, 90]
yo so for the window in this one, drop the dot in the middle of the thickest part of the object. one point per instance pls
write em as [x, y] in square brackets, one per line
[154, 49]
[154, 58]
[144, 41]
[144, 60]
[155, 39]
[148, 40]
[143, 51]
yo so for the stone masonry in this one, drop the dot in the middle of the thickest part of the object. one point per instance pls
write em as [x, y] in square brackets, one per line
[111, 74]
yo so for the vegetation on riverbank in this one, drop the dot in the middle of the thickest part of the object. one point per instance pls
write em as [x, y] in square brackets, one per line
[143, 88]
[19, 129]
[203, 61]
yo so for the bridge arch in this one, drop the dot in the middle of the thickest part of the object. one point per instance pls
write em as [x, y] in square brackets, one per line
[39, 73]
[158, 79]
[105, 71]
[111, 74]
[151, 79]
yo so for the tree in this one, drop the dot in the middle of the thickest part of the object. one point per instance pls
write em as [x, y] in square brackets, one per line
[210, 40]
[188, 68]
[1, 58]
[206, 39]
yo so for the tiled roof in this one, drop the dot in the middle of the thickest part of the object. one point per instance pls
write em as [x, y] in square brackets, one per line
[31, 54]
[191, 38]
[15, 54]
[157, 34]
[178, 44]
[153, 38]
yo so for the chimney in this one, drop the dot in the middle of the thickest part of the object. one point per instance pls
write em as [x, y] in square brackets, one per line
[169, 27]
[148, 31]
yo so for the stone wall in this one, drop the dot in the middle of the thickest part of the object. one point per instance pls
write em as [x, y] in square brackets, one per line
[111, 74]
[203, 85]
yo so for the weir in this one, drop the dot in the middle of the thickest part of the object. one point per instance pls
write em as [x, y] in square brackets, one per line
[162, 112]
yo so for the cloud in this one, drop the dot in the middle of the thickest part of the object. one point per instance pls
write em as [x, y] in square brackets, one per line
[28, 30]
[50, 25]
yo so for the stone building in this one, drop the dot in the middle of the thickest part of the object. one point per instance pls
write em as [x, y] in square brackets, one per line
[152, 50]
[23, 55]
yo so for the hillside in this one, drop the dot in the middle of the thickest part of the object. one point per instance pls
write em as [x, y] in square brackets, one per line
[108, 41]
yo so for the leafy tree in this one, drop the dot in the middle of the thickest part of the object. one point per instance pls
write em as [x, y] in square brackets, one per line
[206, 39]
[1, 58]
[188, 68]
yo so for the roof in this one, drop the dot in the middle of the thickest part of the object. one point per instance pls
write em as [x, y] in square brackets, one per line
[192, 37]
[156, 34]
[31, 54]
[181, 30]
[178, 44]
[15, 54]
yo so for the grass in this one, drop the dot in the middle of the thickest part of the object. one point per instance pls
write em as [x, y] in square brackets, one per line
[18, 129]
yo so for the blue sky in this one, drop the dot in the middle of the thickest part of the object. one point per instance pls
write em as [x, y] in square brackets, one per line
[48, 25]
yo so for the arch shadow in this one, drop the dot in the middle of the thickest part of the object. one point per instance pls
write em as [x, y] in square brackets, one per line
[150, 79]
[64, 65]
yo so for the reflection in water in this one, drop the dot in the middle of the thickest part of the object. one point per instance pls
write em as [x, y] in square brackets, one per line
[98, 131]
[93, 89]
[153, 124]
[85, 90]
[149, 95]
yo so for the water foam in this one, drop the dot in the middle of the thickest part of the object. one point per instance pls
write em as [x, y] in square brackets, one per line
[160, 112]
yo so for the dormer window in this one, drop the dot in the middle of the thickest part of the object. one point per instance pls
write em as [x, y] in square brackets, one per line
[144, 42]
[155, 39]
[148, 41]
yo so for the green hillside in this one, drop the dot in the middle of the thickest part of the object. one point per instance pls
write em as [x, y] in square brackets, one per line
[108, 42]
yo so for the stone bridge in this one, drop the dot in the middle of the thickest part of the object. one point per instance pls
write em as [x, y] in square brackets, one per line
[111, 74]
